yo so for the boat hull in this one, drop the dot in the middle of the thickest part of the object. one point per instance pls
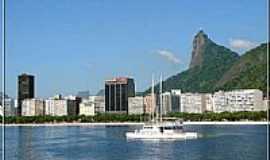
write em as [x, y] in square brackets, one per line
[186, 135]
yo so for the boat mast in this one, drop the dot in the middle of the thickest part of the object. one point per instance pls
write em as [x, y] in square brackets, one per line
[160, 94]
[152, 105]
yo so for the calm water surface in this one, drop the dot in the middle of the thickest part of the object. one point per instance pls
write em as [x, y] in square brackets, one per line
[109, 143]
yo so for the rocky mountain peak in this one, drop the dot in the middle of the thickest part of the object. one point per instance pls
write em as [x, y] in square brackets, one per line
[199, 42]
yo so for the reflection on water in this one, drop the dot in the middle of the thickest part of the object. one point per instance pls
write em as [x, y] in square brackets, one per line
[109, 143]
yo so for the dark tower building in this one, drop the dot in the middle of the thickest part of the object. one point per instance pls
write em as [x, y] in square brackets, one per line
[25, 89]
[117, 92]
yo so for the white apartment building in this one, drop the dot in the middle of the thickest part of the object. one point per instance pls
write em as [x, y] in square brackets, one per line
[87, 107]
[32, 107]
[1, 110]
[238, 100]
[10, 109]
[60, 107]
[135, 105]
[92, 105]
[207, 102]
[191, 103]
[99, 103]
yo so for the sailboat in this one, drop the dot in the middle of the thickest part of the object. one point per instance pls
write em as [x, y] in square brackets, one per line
[159, 129]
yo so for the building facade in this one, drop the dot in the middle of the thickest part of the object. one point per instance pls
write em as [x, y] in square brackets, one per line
[32, 107]
[135, 105]
[10, 109]
[117, 92]
[25, 90]
[191, 103]
[239, 100]
[60, 107]
[176, 100]
[149, 103]
[87, 107]
[207, 102]
[92, 105]
[74, 99]
[166, 103]
[99, 102]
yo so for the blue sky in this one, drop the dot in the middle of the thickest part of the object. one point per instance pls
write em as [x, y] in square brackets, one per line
[73, 45]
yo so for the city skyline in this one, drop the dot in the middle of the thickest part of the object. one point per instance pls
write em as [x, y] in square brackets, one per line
[70, 46]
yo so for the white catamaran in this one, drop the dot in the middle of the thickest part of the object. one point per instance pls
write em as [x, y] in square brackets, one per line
[157, 129]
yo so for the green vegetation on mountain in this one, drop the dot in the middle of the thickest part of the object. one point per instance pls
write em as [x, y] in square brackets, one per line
[250, 71]
[209, 62]
[214, 67]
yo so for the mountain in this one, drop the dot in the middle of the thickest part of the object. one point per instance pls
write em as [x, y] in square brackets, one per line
[208, 64]
[101, 92]
[250, 71]
[197, 53]
[83, 94]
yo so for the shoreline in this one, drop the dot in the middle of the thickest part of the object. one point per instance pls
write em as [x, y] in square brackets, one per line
[133, 124]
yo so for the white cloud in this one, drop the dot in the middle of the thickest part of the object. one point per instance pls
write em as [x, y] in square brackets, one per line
[168, 55]
[241, 44]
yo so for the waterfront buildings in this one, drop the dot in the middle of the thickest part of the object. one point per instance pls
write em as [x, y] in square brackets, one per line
[87, 107]
[99, 102]
[191, 102]
[166, 103]
[92, 105]
[171, 101]
[176, 100]
[149, 103]
[32, 107]
[117, 92]
[220, 102]
[77, 100]
[9, 102]
[238, 100]
[10, 109]
[1, 111]
[207, 102]
[120, 97]
[58, 106]
[135, 105]
[25, 89]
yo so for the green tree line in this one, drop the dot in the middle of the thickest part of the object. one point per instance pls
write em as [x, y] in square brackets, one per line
[207, 116]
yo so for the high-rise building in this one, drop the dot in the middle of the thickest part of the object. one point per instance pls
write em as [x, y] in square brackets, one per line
[117, 92]
[176, 100]
[25, 89]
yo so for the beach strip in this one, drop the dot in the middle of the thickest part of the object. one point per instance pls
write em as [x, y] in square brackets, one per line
[138, 123]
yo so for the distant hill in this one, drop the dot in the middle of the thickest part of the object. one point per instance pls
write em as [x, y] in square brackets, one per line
[208, 64]
[250, 71]
[101, 93]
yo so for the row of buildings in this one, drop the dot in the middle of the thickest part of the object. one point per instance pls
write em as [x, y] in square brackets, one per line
[120, 97]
